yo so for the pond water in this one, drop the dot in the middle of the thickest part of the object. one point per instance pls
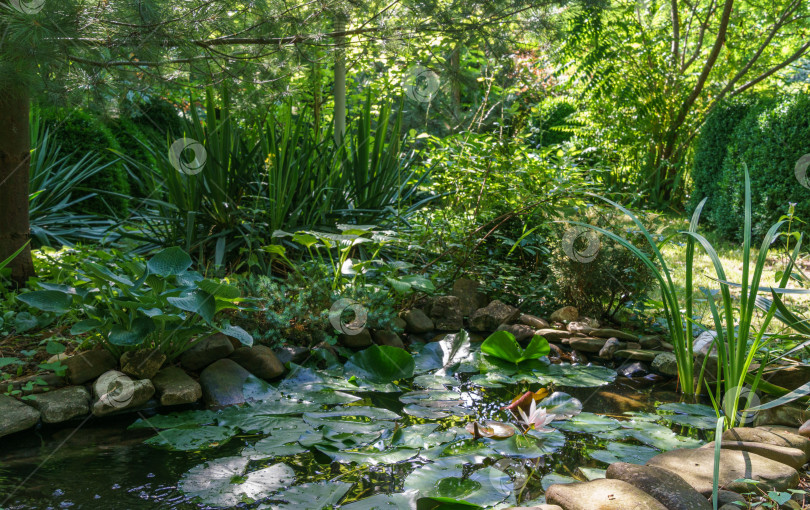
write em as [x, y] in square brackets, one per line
[318, 439]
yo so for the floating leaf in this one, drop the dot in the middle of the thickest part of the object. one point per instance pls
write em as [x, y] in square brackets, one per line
[444, 356]
[174, 420]
[588, 423]
[381, 364]
[191, 439]
[620, 452]
[403, 501]
[502, 345]
[212, 482]
[312, 495]
[485, 487]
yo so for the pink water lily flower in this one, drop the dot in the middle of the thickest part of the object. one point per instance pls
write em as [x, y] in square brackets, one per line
[537, 418]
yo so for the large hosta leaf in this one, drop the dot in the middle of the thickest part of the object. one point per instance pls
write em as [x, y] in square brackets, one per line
[47, 300]
[212, 483]
[199, 302]
[169, 262]
[128, 337]
[381, 364]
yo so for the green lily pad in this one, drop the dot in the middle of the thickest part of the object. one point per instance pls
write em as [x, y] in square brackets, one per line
[485, 487]
[190, 439]
[174, 420]
[445, 356]
[592, 473]
[381, 364]
[421, 436]
[435, 410]
[580, 376]
[554, 478]
[372, 456]
[312, 495]
[588, 423]
[530, 446]
[562, 405]
[434, 382]
[620, 452]
[402, 501]
[212, 482]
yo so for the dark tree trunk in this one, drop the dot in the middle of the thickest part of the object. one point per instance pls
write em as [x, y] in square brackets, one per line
[14, 167]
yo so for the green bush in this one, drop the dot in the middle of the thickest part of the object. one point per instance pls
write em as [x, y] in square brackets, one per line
[552, 125]
[710, 151]
[156, 118]
[79, 133]
[131, 139]
[770, 141]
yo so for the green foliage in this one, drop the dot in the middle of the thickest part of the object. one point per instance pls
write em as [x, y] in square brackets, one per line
[381, 364]
[80, 133]
[503, 345]
[131, 138]
[769, 141]
[125, 303]
[552, 125]
[597, 275]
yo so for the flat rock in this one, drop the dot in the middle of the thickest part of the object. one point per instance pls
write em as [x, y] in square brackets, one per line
[416, 321]
[532, 321]
[470, 297]
[650, 341]
[637, 354]
[587, 344]
[804, 430]
[357, 340]
[669, 489]
[143, 363]
[610, 347]
[758, 435]
[222, 383]
[788, 377]
[565, 314]
[492, 316]
[614, 333]
[536, 507]
[88, 365]
[115, 391]
[665, 363]
[259, 360]
[553, 335]
[63, 404]
[175, 387]
[789, 415]
[601, 494]
[521, 332]
[446, 313]
[387, 337]
[15, 416]
[793, 457]
[206, 351]
[696, 467]
[580, 327]
[293, 353]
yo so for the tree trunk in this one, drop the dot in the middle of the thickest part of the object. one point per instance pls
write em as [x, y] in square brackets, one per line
[15, 153]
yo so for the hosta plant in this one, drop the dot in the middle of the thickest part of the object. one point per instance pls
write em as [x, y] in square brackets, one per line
[129, 304]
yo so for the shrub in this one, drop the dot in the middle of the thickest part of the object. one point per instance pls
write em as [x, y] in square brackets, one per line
[155, 117]
[710, 150]
[552, 125]
[595, 274]
[769, 141]
[131, 139]
[79, 133]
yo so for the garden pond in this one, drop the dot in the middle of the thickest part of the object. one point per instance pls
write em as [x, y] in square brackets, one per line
[381, 431]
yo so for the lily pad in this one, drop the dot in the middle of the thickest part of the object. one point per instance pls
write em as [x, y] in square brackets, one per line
[562, 405]
[503, 345]
[485, 487]
[312, 495]
[421, 436]
[588, 423]
[402, 501]
[212, 483]
[529, 446]
[445, 356]
[554, 478]
[372, 456]
[381, 364]
[190, 439]
[621, 452]
[174, 420]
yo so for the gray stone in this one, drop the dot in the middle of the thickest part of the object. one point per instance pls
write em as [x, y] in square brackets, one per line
[52, 382]
[222, 383]
[804, 430]
[521, 332]
[115, 391]
[532, 321]
[789, 415]
[206, 351]
[601, 494]
[259, 360]
[610, 347]
[469, 296]
[793, 457]
[387, 337]
[758, 435]
[399, 324]
[15, 416]
[175, 387]
[63, 404]
[650, 341]
[633, 370]
[609, 333]
[553, 335]
[492, 316]
[789, 377]
[536, 507]
[580, 327]
[701, 344]
[416, 321]
[88, 365]
[565, 314]
[668, 488]
[637, 354]
[361, 340]
[292, 353]
[730, 499]
[142, 364]
[446, 313]
[696, 467]
[665, 364]
[587, 344]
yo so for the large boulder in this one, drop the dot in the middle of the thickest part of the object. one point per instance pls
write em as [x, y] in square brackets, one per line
[292, 353]
[793, 457]
[614, 333]
[565, 314]
[610, 347]
[259, 360]
[88, 365]
[770, 436]
[696, 467]
[555, 336]
[492, 316]
[532, 321]
[470, 297]
[668, 488]
[142, 364]
[175, 387]
[15, 416]
[223, 383]
[357, 340]
[387, 337]
[206, 351]
[115, 392]
[417, 322]
[446, 313]
[521, 332]
[665, 363]
[601, 494]
[63, 404]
